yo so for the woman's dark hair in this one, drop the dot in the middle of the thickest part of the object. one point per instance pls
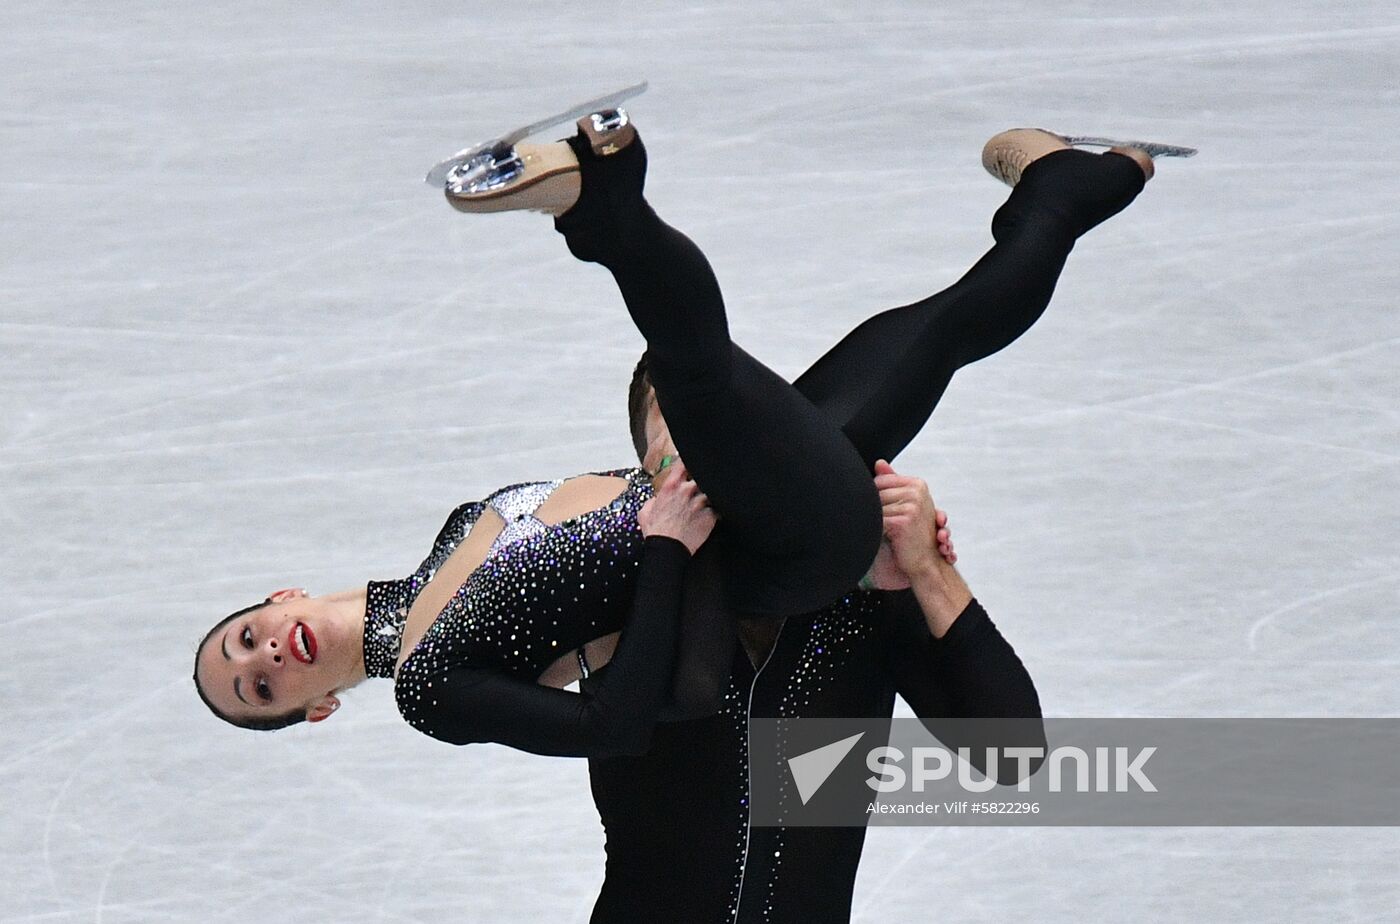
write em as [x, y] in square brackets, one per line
[637, 407]
[269, 723]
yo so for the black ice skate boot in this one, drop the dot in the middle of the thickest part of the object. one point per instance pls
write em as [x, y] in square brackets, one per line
[610, 221]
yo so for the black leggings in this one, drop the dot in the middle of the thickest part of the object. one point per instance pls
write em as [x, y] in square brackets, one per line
[788, 466]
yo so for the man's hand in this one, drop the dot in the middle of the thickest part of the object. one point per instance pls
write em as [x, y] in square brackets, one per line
[678, 510]
[917, 530]
[922, 547]
[907, 507]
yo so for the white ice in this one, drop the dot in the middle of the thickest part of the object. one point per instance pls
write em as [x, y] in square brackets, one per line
[245, 348]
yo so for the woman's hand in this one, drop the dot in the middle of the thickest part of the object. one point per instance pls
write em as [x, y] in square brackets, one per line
[678, 510]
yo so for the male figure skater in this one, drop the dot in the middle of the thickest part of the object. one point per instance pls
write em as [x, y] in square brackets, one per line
[679, 844]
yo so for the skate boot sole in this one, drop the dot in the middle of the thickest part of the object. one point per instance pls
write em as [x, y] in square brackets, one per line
[524, 177]
[504, 175]
[534, 177]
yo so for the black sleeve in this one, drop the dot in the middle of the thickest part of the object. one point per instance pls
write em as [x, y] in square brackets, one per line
[615, 716]
[972, 672]
[705, 646]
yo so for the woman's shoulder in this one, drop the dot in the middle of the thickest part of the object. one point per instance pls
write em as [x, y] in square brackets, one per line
[541, 489]
[629, 473]
[532, 493]
[632, 475]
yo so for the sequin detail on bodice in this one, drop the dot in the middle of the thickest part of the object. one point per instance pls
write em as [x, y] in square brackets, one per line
[386, 611]
[516, 507]
[539, 594]
[387, 602]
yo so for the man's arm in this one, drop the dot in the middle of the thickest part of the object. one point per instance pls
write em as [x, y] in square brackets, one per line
[947, 657]
[942, 594]
[921, 547]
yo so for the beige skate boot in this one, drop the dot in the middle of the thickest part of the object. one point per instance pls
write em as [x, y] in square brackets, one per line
[503, 174]
[532, 177]
[536, 177]
[1008, 154]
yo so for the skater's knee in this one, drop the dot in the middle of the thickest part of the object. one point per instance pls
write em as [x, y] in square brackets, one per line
[689, 378]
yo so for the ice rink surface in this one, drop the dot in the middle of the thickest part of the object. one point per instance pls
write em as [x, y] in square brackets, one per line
[245, 348]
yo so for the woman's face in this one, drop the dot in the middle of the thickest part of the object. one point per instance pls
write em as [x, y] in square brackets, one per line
[290, 655]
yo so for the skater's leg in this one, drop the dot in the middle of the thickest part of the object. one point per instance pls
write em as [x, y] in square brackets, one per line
[799, 513]
[666, 282]
[883, 380]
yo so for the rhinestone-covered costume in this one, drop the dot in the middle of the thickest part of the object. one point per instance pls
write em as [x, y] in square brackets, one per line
[541, 592]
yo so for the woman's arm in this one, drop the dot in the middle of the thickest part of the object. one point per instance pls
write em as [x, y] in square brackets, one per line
[616, 715]
[465, 705]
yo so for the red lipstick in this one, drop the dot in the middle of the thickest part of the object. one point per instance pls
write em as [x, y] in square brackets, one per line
[301, 641]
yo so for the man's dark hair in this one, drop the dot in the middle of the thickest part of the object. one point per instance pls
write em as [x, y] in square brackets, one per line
[269, 723]
[637, 406]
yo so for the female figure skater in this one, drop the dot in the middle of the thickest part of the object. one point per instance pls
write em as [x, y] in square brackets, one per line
[527, 591]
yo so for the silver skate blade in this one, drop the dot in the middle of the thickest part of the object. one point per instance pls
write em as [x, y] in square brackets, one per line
[610, 101]
[443, 168]
[1152, 148]
[438, 175]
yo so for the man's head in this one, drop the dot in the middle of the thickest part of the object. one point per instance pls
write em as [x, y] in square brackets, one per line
[640, 398]
[278, 662]
[651, 438]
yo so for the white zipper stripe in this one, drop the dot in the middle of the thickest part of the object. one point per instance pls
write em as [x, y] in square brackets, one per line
[748, 773]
